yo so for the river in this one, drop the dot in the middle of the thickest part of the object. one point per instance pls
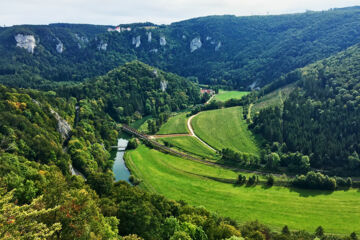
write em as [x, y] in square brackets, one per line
[120, 170]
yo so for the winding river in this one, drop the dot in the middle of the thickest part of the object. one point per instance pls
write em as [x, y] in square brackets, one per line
[120, 170]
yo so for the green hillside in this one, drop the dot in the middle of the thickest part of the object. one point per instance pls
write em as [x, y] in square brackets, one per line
[225, 128]
[321, 116]
[235, 51]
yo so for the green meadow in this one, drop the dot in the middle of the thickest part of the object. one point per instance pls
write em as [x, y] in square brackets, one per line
[225, 128]
[191, 145]
[223, 95]
[180, 179]
[175, 124]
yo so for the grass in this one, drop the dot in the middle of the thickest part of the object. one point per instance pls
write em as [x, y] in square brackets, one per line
[225, 128]
[191, 145]
[141, 124]
[223, 95]
[337, 212]
[176, 124]
[275, 98]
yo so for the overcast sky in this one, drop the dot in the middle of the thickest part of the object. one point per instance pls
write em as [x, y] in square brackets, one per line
[114, 12]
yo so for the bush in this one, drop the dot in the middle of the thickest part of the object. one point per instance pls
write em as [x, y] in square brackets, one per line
[241, 179]
[270, 180]
[313, 180]
[132, 144]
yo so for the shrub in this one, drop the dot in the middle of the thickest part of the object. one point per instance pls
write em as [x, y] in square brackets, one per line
[270, 180]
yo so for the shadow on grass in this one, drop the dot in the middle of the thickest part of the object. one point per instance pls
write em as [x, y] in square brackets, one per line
[310, 192]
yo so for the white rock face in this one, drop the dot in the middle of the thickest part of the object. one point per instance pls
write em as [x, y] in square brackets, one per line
[155, 73]
[26, 41]
[136, 41]
[183, 37]
[149, 36]
[81, 40]
[102, 46]
[163, 85]
[208, 38]
[63, 127]
[195, 44]
[60, 47]
[253, 85]
[218, 46]
[154, 50]
[162, 41]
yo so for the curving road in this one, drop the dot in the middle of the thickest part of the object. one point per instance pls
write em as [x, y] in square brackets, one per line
[192, 133]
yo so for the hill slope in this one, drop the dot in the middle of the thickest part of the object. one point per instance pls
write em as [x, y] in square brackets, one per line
[237, 51]
[321, 118]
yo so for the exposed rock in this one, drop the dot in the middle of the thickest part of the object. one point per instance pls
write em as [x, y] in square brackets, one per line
[212, 42]
[63, 127]
[163, 85]
[155, 73]
[208, 38]
[195, 44]
[102, 46]
[149, 36]
[26, 41]
[183, 37]
[154, 50]
[162, 41]
[82, 40]
[253, 85]
[136, 41]
[218, 46]
[60, 47]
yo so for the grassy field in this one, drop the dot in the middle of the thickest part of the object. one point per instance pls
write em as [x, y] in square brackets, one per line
[192, 145]
[176, 124]
[223, 96]
[225, 128]
[275, 98]
[338, 212]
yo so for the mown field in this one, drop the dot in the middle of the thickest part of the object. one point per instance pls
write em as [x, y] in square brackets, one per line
[223, 95]
[338, 212]
[225, 128]
[175, 124]
[191, 145]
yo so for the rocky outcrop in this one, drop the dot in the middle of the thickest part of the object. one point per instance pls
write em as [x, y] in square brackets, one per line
[149, 36]
[102, 46]
[155, 73]
[195, 44]
[208, 38]
[162, 41]
[136, 41]
[218, 46]
[154, 50]
[63, 127]
[26, 41]
[60, 47]
[81, 40]
[163, 85]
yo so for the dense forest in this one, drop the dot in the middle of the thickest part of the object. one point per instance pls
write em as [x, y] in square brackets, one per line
[321, 117]
[227, 50]
[135, 90]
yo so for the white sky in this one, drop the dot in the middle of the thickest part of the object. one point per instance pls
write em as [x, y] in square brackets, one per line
[114, 12]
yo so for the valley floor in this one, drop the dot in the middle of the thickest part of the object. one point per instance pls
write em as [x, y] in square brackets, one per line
[337, 212]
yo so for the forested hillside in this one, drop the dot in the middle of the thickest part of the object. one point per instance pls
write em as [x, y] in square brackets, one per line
[228, 50]
[321, 117]
[136, 89]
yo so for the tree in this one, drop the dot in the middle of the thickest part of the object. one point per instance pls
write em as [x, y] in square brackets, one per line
[25, 221]
[270, 180]
[285, 230]
[319, 232]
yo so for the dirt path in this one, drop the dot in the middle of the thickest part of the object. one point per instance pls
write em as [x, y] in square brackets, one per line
[208, 101]
[192, 133]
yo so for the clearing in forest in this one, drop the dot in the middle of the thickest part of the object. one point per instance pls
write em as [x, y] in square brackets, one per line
[223, 95]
